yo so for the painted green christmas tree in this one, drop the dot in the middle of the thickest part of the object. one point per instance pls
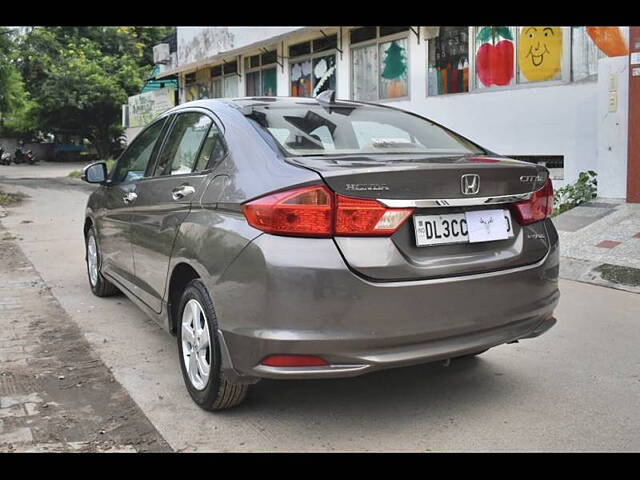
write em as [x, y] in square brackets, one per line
[394, 62]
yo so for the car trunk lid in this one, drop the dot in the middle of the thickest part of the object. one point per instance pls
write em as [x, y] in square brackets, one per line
[429, 181]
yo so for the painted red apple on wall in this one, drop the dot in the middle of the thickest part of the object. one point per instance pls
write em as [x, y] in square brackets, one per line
[494, 56]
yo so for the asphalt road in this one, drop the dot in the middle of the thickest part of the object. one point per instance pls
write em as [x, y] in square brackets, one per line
[576, 388]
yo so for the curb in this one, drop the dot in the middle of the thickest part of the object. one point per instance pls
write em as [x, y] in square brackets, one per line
[601, 274]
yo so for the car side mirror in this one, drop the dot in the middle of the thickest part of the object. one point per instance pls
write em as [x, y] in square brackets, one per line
[95, 173]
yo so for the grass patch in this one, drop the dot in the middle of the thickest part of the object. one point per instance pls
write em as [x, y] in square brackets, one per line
[9, 199]
[77, 173]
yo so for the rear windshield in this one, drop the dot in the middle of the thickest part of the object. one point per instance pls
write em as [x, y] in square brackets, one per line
[343, 130]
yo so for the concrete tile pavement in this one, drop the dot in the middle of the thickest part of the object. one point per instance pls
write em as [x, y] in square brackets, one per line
[600, 243]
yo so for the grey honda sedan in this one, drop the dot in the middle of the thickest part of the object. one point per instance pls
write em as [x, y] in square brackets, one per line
[300, 238]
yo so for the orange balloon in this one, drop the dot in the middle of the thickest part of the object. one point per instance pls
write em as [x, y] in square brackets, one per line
[609, 40]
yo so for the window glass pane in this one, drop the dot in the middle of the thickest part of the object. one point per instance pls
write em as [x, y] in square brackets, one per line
[494, 56]
[362, 34]
[230, 67]
[391, 30]
[254, 61]
[269, 87]
[539, 54]
[269, 57]
[179, 153]
[393, 69]
[323, 134]
[364, 71]
[231, 86]
[197, 92]
[324, 74]
[303, 48]
[213, 150]
[301, 79]
[348, 129]
[584, 55]
[216, 71]
[134, 161]
[216, 88]
[191, 93]
[368, 132]
[449, 61]
[325, 43]
[252, 79]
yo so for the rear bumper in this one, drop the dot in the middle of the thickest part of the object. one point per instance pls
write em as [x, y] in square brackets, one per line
[296, 296]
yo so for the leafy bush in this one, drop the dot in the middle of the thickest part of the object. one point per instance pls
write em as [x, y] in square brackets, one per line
[572, 195]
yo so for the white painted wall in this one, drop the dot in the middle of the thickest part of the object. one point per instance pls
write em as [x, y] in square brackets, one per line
[612, 127]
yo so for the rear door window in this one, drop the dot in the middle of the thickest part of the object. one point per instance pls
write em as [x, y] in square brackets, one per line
[182, 148]
[213, 149]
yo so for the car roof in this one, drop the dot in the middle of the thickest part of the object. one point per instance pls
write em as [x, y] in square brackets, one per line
[242, 102]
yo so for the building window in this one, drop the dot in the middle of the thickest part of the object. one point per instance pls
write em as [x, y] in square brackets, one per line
[540, 54]
[448, 70]
[260, 74]
[379, 63]
[584, 55]
[495, 55]
[313, 66]
[194, 89]
[510, 56]
[224, 80]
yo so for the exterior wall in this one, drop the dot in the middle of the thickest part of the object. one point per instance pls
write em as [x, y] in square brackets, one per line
[197, 43]
[612, 118]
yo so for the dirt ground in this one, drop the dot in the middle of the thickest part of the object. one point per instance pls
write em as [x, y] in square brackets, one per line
[55, 393]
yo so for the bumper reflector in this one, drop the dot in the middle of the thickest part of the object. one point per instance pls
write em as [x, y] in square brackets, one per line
[294, 361]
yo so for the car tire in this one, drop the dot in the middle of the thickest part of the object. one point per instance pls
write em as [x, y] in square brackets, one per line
[210, 391]
[100, 286]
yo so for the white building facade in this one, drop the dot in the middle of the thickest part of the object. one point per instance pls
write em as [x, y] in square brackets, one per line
[526, 92]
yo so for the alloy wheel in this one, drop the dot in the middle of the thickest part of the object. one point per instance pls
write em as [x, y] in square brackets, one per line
[196, 348]
[92, 260]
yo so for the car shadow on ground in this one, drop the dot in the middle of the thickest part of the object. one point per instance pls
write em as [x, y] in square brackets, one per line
[399, 395]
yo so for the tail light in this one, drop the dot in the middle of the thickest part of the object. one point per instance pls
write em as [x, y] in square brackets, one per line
[306, 211]
[317, 212]
[537, 208]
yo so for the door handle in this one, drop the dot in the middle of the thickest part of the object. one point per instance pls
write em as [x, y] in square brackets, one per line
[130, 197]
[183, 191]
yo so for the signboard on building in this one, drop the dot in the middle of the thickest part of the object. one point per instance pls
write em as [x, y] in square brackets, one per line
[146, 106]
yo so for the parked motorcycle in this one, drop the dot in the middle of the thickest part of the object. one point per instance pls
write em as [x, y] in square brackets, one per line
[24, 156]
[5, 157]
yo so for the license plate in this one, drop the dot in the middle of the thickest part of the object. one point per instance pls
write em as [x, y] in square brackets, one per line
[469, 227]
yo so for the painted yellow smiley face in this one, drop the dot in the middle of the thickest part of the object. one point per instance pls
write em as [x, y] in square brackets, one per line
[540, 52]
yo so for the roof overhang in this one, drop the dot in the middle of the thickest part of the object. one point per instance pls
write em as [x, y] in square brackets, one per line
[217, 58]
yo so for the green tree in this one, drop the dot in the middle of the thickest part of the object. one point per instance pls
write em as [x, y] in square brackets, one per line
[14, 99]
[79, 77]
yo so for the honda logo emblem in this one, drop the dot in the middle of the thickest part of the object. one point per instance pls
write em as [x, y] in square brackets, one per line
[470, 184]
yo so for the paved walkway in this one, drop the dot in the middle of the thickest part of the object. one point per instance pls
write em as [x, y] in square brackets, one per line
[55, 393]
[600, 243]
